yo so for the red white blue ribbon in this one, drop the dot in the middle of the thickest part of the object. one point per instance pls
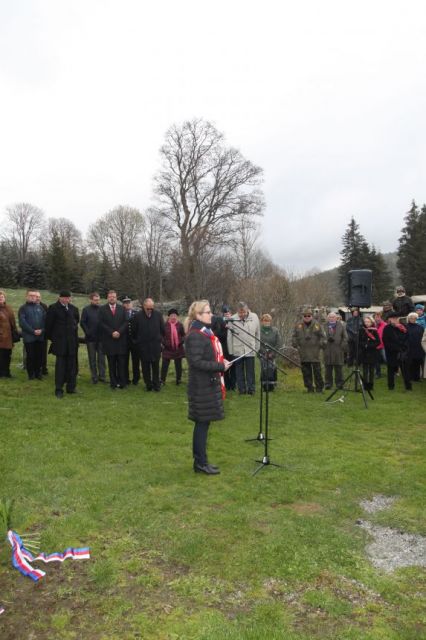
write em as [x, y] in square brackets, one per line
[22, 558]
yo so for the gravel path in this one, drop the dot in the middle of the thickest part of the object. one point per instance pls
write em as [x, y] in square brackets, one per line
[391, 548]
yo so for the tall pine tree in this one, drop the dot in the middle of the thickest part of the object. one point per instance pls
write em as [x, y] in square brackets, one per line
[354, 255]
[412, 251]
[382, 279]
[59, 274]
[357, 254]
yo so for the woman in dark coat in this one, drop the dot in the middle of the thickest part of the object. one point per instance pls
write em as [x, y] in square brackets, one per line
[368, 341]
[174, 335]
[205, 381]
[415, 350]
[269, 337]
[7, 328]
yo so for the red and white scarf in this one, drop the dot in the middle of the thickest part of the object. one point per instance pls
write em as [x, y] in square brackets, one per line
[218, 353]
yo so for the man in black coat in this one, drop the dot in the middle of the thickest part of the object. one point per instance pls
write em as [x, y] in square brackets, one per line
[90, 325]
[395, 340]
[113, 328]
[403, 305]
[147, 328]
[62, 330]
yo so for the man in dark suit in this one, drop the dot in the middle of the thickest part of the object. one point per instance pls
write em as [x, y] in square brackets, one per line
[148, 332]
[132, 348]
[62, 330]
[90, 325]
[113, 328]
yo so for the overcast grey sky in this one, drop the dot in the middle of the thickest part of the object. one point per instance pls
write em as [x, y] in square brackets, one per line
[328, 97]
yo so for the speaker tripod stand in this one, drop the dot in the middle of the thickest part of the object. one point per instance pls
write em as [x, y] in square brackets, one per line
[359, 385]
[355, 375]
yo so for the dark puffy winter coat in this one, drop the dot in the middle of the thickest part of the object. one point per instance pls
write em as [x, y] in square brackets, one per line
[204, 386]
[367, 347]
[62, 329]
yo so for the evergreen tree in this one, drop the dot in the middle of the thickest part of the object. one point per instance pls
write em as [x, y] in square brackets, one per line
[412, 251]
[105, 278]
[8, 266]
[59, 275]
[33, 272]
[355, 255]
[382, 278]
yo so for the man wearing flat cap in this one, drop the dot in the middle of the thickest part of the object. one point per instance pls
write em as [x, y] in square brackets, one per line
[403, 305]
[309, 338]
[62, 330]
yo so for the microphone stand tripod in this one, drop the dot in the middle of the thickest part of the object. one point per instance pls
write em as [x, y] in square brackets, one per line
[265, 459]
[260, 436]
[263, 436]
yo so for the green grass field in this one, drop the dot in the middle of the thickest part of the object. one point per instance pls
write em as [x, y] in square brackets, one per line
[181, 556]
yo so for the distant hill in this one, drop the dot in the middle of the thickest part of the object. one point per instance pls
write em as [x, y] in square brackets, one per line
[323, 287]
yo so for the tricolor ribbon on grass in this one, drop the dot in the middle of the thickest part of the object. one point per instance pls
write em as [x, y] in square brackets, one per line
[22, 558]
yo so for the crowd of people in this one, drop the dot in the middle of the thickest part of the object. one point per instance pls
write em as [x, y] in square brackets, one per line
[394, 337]
[122, 342]
[128, 343]
[220, 349]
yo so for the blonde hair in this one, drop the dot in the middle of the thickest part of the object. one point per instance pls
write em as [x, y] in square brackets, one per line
[413, 314]
[196, 307]
[266, 317]
[368, 318]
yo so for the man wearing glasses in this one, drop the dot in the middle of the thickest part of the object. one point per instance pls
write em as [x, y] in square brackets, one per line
[148, 331]
[309, 339]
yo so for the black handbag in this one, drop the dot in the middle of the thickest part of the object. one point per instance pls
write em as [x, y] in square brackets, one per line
[16, 336]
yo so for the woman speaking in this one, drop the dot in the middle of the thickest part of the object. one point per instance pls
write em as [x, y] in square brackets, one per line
[206, 388]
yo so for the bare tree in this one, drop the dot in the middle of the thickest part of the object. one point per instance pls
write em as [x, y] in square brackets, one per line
[203, 188]
[157, 240]
[68, 234]
[243, 243]
[118, 235]
[26, 222]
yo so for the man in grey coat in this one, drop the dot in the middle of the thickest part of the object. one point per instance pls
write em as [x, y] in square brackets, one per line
[334, 350]
[309, 339]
